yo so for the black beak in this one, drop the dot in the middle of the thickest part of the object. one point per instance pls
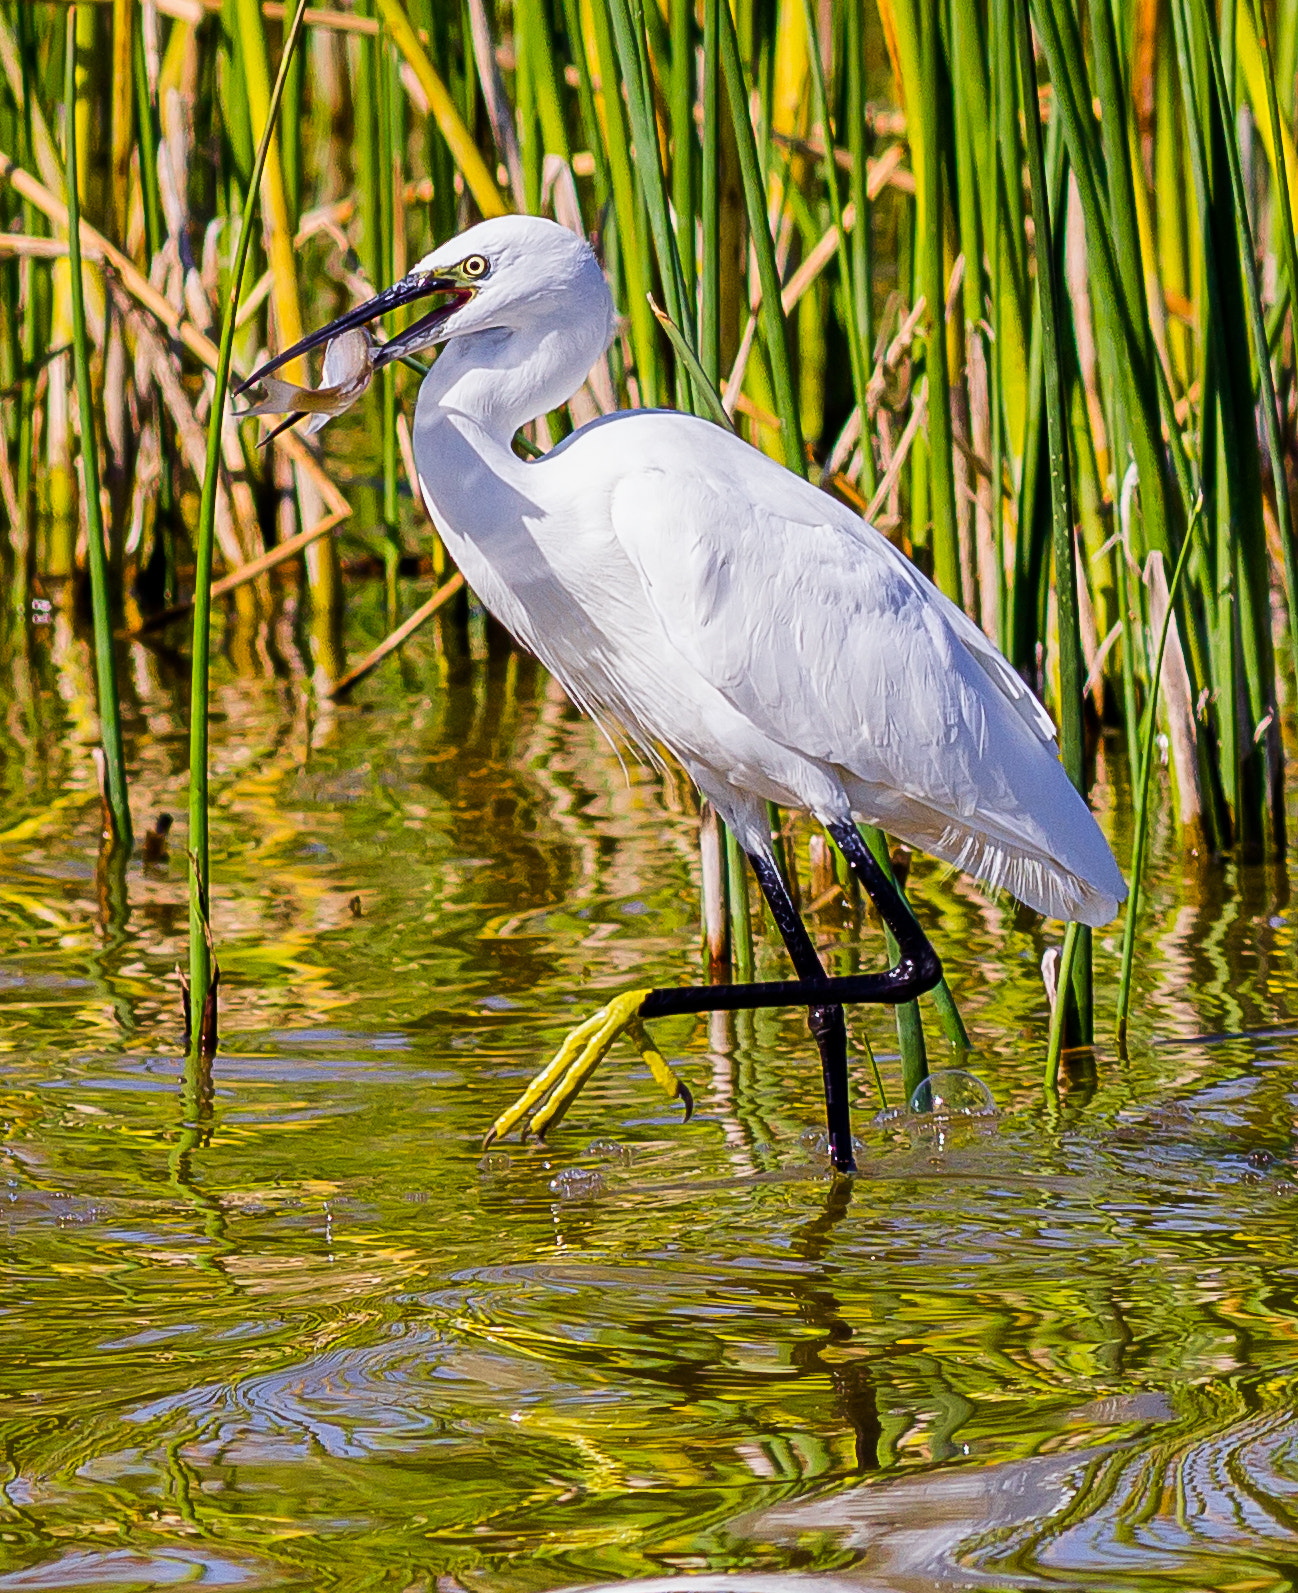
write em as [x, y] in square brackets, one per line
[404, 292]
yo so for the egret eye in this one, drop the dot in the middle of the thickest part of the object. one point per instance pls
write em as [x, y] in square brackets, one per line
[475, 266]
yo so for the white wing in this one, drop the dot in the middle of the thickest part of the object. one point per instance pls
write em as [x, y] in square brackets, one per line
[824, 636]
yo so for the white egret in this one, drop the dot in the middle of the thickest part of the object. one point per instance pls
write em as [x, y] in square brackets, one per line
[695, 597]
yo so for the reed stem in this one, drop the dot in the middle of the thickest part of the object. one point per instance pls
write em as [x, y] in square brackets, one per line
[201, 959]
[1058, 1042]
[385, 109]
[1072, 670]
[855, 349]
[929, 192]
[110, 724]
[710, 196]
[683, 144]
[24, 552]
[774, 330]
[861, 310]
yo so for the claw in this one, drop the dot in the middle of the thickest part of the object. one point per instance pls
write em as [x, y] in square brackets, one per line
[584, 1048]
[545, 1080]
[675, 1089]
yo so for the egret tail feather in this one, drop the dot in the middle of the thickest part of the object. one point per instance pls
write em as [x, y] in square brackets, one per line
[1050, 886]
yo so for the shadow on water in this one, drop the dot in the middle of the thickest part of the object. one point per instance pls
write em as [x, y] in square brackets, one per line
[276, 1324]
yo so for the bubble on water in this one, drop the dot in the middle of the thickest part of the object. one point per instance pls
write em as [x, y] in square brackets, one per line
[889, 1116]
[609, 1150]
[494, 1163]
[951, 1092]
[815, 1142]
[577, 1183]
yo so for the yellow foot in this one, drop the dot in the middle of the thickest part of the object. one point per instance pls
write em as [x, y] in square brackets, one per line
[574, 1062]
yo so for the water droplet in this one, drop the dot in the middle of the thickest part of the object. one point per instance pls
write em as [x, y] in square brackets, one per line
[577, 1183]
[609, 1150]
[951, 1092]
[494, 1163]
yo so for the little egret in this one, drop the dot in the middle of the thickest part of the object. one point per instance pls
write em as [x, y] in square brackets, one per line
[697, 598]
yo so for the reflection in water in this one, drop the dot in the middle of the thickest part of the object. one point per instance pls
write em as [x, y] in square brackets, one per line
[277, 1323]
[1207, 1500]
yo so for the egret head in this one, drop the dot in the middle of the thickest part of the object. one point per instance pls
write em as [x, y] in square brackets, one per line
[512, 273]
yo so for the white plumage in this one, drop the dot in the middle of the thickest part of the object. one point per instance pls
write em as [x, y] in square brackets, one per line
[697, 597]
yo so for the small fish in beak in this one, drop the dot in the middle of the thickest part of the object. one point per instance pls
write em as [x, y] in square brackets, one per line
[368, 357]
[349, 364]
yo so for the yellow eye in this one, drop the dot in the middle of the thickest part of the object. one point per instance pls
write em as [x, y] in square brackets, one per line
[475, 266]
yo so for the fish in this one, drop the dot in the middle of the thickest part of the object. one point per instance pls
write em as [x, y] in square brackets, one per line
[347, 371]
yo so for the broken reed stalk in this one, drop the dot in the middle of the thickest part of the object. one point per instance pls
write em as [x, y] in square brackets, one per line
[179, 327]
[391, 643]
[110, 724]
[1057, 1042]
[201, 960]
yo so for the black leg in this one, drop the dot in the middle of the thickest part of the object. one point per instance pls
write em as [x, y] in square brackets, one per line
[916, 954]
[825, 1021]
[917, 970]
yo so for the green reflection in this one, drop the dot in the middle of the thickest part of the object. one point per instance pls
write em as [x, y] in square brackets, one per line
[271, 1324]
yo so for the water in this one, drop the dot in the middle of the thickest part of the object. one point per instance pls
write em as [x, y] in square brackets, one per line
[287, 1327]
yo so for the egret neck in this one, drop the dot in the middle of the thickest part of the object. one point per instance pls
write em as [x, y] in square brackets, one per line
[499, 515]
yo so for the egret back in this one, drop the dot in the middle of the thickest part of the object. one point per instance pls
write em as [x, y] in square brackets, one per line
[774, 603]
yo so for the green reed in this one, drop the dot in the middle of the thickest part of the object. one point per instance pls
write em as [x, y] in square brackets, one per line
[1059, 1012]
[21, 533]
[1076, 987]
[201, 956]
[927, 154]
[1289, 263]
[110, 723]
[1257, 580]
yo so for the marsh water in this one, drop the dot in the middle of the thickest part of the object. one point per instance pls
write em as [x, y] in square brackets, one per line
[281, 1326]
